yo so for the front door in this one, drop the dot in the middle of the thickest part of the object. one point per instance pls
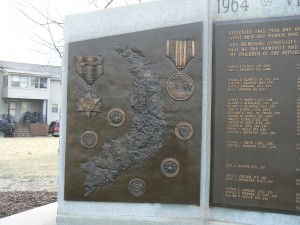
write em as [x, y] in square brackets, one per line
[13, 110]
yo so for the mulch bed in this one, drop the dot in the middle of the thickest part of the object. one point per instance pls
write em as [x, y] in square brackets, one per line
[18, 201]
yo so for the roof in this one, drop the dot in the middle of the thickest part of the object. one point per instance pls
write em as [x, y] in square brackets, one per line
[26, 68]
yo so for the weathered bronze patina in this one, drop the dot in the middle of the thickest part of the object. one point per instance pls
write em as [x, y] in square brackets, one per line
[89, 105]
[89, 139]
[125, 164]
[146, 136]
[256, 115]
[180, 52]
[116, 117]
[170, 167]
[137, 187]
[184, 130]
[89, 68]
[180, 86]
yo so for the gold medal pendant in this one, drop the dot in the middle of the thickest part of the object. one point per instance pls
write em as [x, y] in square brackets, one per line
[90, 68]
[180, 86]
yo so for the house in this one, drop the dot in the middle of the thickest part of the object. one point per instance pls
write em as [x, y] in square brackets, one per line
[29, 88]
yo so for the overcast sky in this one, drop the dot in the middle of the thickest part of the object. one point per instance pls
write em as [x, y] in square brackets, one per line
[18, 39]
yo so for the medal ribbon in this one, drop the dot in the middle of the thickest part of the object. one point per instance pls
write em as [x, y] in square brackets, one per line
[180, 52]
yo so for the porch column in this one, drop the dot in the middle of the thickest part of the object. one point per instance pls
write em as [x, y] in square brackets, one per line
[8, 109]
[45, 111]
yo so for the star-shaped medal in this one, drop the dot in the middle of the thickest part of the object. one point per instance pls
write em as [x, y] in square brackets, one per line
[88, 105]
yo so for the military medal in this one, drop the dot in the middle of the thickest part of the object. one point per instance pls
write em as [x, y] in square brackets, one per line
[116, 117]
[89, 139]
[184, 130]
[180, 86]
[169, 167]
[89, 68]
[137, 187]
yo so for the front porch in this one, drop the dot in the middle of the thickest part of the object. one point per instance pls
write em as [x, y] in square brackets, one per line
[30, 129]
[29, 116]
[26, 111]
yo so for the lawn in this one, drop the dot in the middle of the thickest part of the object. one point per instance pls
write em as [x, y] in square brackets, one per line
[28, 164]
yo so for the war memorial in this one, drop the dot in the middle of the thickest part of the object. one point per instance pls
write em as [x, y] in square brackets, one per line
[182, 112]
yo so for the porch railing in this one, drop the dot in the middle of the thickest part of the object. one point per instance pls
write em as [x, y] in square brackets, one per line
[34, 117]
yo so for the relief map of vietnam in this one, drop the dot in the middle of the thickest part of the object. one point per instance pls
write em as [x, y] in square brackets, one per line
[146, 136]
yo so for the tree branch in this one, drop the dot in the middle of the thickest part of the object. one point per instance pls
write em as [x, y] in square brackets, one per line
[52, 44]
[95, 3]
[48, 23]
[108, 3]
[47, 17]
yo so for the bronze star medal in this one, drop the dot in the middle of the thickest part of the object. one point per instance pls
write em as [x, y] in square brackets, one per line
[89, 68]
[88, 105]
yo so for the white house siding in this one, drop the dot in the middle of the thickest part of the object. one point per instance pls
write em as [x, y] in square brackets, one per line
[55, 98]
[22, 93]
[30, 98]
[3, 105]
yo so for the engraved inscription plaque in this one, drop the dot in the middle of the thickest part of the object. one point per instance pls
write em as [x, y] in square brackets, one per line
[136, 125]
[256, 115]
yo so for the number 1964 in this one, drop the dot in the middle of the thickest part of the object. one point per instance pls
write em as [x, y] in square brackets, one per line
[232, 5]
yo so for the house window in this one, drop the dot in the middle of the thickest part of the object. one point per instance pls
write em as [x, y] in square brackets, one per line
[43, 82]
[34, 82]
[15, 81]
[28, 82]
[54, 108]
[5, 81]
[24, 82]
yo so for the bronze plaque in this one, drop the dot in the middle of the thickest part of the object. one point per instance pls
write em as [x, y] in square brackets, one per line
[134, 117]
[256, 115]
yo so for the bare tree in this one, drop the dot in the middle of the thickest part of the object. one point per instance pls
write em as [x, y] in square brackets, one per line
[108, 3]
[48, 23]
[47, 26]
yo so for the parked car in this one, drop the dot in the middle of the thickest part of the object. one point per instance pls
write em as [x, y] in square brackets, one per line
[54, 128]
[6, 128]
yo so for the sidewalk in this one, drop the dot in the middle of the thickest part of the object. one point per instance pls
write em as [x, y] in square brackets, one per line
[44, 215]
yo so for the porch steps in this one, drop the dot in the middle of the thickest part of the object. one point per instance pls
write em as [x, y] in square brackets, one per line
[21, 130]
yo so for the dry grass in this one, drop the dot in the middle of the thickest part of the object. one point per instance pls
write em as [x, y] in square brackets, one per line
[28, 164]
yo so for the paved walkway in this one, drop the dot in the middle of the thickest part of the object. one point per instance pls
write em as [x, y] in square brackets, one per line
[44, 215]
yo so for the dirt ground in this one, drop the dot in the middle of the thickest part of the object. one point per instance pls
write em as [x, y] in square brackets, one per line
[28, 173]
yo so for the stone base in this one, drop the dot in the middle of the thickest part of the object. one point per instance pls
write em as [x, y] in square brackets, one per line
[128, 221]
